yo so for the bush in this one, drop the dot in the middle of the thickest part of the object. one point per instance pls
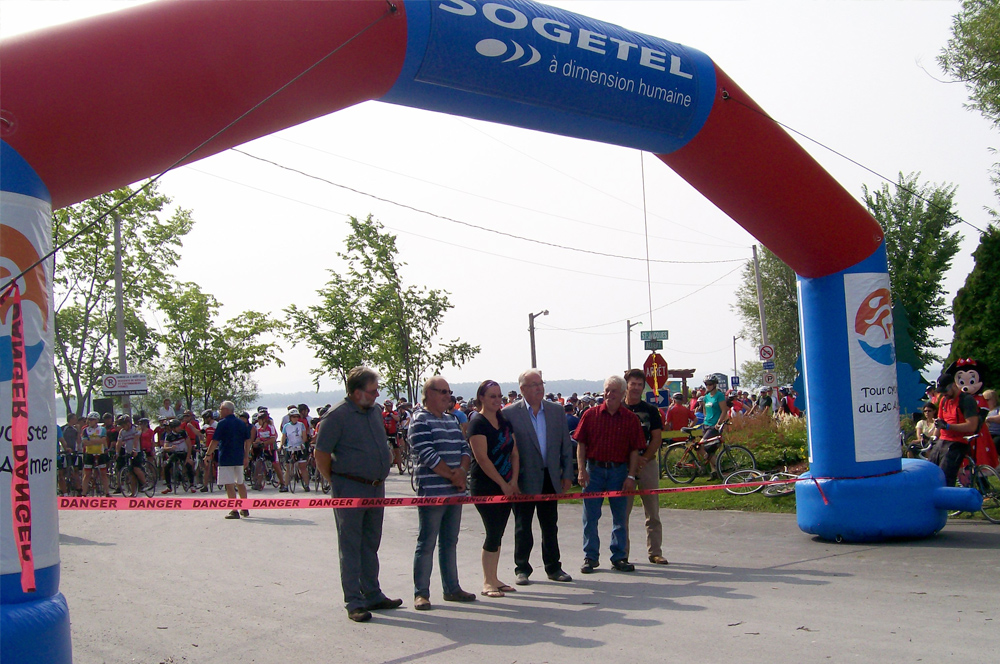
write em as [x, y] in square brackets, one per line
[774, 444]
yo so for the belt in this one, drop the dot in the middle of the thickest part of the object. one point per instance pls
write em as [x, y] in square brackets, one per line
[355, 478]
[605, 464]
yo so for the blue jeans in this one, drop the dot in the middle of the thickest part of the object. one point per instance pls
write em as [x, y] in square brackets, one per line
[438, 524]
[605, 479]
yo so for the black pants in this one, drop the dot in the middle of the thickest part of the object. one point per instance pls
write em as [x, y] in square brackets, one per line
[951, 460]
[548, 515]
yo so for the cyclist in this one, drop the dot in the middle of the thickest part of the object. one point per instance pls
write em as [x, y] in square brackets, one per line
[209, 462]
[176, 443]
[95, 452]
[128, 449]
[764, 403]
[67, 462]
[293, 441]
[716, 412]
[263, 440]
[958, 417]
[390, 420]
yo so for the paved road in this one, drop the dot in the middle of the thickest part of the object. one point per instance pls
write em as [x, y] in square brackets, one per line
[157, 587]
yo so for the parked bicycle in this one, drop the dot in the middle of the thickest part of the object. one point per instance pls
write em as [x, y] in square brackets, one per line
[986, 481]
[684, 461]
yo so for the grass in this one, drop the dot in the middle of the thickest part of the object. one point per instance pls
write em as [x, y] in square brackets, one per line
[716, 499]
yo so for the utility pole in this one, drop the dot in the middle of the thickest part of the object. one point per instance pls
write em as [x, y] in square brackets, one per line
[531, 333]
[628, 340]
[120, 311]
[734, 357]
[760, 302]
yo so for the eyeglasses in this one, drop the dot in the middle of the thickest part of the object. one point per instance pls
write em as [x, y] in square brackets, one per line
[440, 391]
[533, 385]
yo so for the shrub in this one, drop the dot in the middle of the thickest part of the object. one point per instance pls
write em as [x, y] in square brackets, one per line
[774, 444]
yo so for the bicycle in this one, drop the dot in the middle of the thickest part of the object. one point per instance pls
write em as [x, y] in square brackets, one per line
[411, 467]
[682, 463]
[177, 478]
[986, 481]
[129, 481]
[70, 465]
[204, 475]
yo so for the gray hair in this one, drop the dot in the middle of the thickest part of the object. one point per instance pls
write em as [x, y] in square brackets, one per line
[523, 378]
[617, 381]
[428, 384]
[359, 377]
[228, 405]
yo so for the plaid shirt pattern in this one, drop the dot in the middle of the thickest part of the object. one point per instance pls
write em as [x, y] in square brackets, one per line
[610, 438]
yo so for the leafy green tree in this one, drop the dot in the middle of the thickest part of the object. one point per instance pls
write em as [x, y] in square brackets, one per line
[207, 363]
[973, 55]
[977, 307]
[916, 220]
[781, 304]
[369, 316]
[85, 346]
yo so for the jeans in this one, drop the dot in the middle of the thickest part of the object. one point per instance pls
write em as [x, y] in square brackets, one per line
[605, 479]
[438, 524]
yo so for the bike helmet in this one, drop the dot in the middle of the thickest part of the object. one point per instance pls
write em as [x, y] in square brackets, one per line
[174, 423]
[206, 414]
[710, 379]
[93, 416]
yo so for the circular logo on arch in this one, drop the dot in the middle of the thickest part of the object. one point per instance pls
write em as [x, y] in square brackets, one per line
[873, 326]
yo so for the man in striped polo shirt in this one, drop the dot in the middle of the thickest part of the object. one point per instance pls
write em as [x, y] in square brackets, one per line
[443, 458]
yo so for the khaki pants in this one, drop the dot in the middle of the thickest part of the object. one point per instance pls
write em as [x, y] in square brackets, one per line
[649, 478]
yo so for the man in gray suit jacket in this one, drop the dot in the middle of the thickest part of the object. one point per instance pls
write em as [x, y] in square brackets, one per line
[546, 467]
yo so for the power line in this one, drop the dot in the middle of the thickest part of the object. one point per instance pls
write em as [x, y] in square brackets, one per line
[467, 224]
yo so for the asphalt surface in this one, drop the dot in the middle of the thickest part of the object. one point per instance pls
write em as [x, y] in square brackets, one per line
[173, 587]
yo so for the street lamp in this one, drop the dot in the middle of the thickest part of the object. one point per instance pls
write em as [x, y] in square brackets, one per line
[628, 340]
[531, 332]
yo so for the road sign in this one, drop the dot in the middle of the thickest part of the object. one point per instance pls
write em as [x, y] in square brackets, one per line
[735, 380]
[653, 335]
[770, 380]
[767, 353]
[654, 344]
[656, 371]
[768, 366]
[122, 384]
[659, 399]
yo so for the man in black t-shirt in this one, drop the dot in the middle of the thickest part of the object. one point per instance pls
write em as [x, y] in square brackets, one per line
[648, 474]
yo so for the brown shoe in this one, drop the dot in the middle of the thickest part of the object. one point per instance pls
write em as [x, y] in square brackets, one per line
[658, 560]
[459, 596]
[244, 512]
[233, 515]
[421, 604]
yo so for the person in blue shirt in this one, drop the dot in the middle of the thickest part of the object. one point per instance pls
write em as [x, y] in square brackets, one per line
[232, 437]
[716, 413]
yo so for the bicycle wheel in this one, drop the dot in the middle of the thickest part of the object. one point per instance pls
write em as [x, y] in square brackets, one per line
[681, 464]
[784, 488]
[152, 474]
[735, 457]
[413, 478]
[964, 479]
[291, 475]
[128, 482]
[988, 483]
[742, 476]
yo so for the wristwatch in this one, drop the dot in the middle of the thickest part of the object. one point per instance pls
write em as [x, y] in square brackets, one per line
[634, 478]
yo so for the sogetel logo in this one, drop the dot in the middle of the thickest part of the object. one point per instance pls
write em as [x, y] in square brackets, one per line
[873, 326]
[19, 253]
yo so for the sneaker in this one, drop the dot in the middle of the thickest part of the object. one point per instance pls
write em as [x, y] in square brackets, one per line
[233, 515]
[522, 579]
[560, 576]
[588, 566]
[244, 512]
[204, 489]
[623, 565]
[283, 489]
[167, 490]
[306, 488]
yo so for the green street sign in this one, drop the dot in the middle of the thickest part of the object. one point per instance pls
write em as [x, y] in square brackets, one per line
[654, 344]
[654, 335]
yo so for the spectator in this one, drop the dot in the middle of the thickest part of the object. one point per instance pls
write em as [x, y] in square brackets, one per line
[443, 458]
[679, 416]
[609, 439]
[494, 473]
[463, 419]
[764, 403]
[544, 450]
[166, 412]
[648, 471]
[352, 455]
[232, 439]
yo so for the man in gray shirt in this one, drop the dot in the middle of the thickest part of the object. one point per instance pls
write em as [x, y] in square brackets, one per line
[353, 455]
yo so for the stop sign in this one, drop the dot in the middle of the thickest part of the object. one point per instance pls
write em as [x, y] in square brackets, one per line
[656, 371]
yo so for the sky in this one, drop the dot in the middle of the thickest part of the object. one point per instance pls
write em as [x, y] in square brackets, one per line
[858, 77]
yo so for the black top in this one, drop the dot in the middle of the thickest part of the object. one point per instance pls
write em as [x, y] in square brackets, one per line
[649, 417]
[499, 447]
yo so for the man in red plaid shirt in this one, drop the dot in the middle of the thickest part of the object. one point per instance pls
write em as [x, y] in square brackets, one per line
[609, 439]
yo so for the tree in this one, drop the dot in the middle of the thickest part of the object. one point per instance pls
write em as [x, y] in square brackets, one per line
[208, 363]
[781, 307]
[973, 55]
[85, 346]
[369, 316]
[916, 220]
[977, 306]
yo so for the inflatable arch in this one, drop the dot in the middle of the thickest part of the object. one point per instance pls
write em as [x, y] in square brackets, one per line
[104, 102]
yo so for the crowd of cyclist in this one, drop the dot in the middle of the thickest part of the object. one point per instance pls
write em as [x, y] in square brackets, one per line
[94, 450]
